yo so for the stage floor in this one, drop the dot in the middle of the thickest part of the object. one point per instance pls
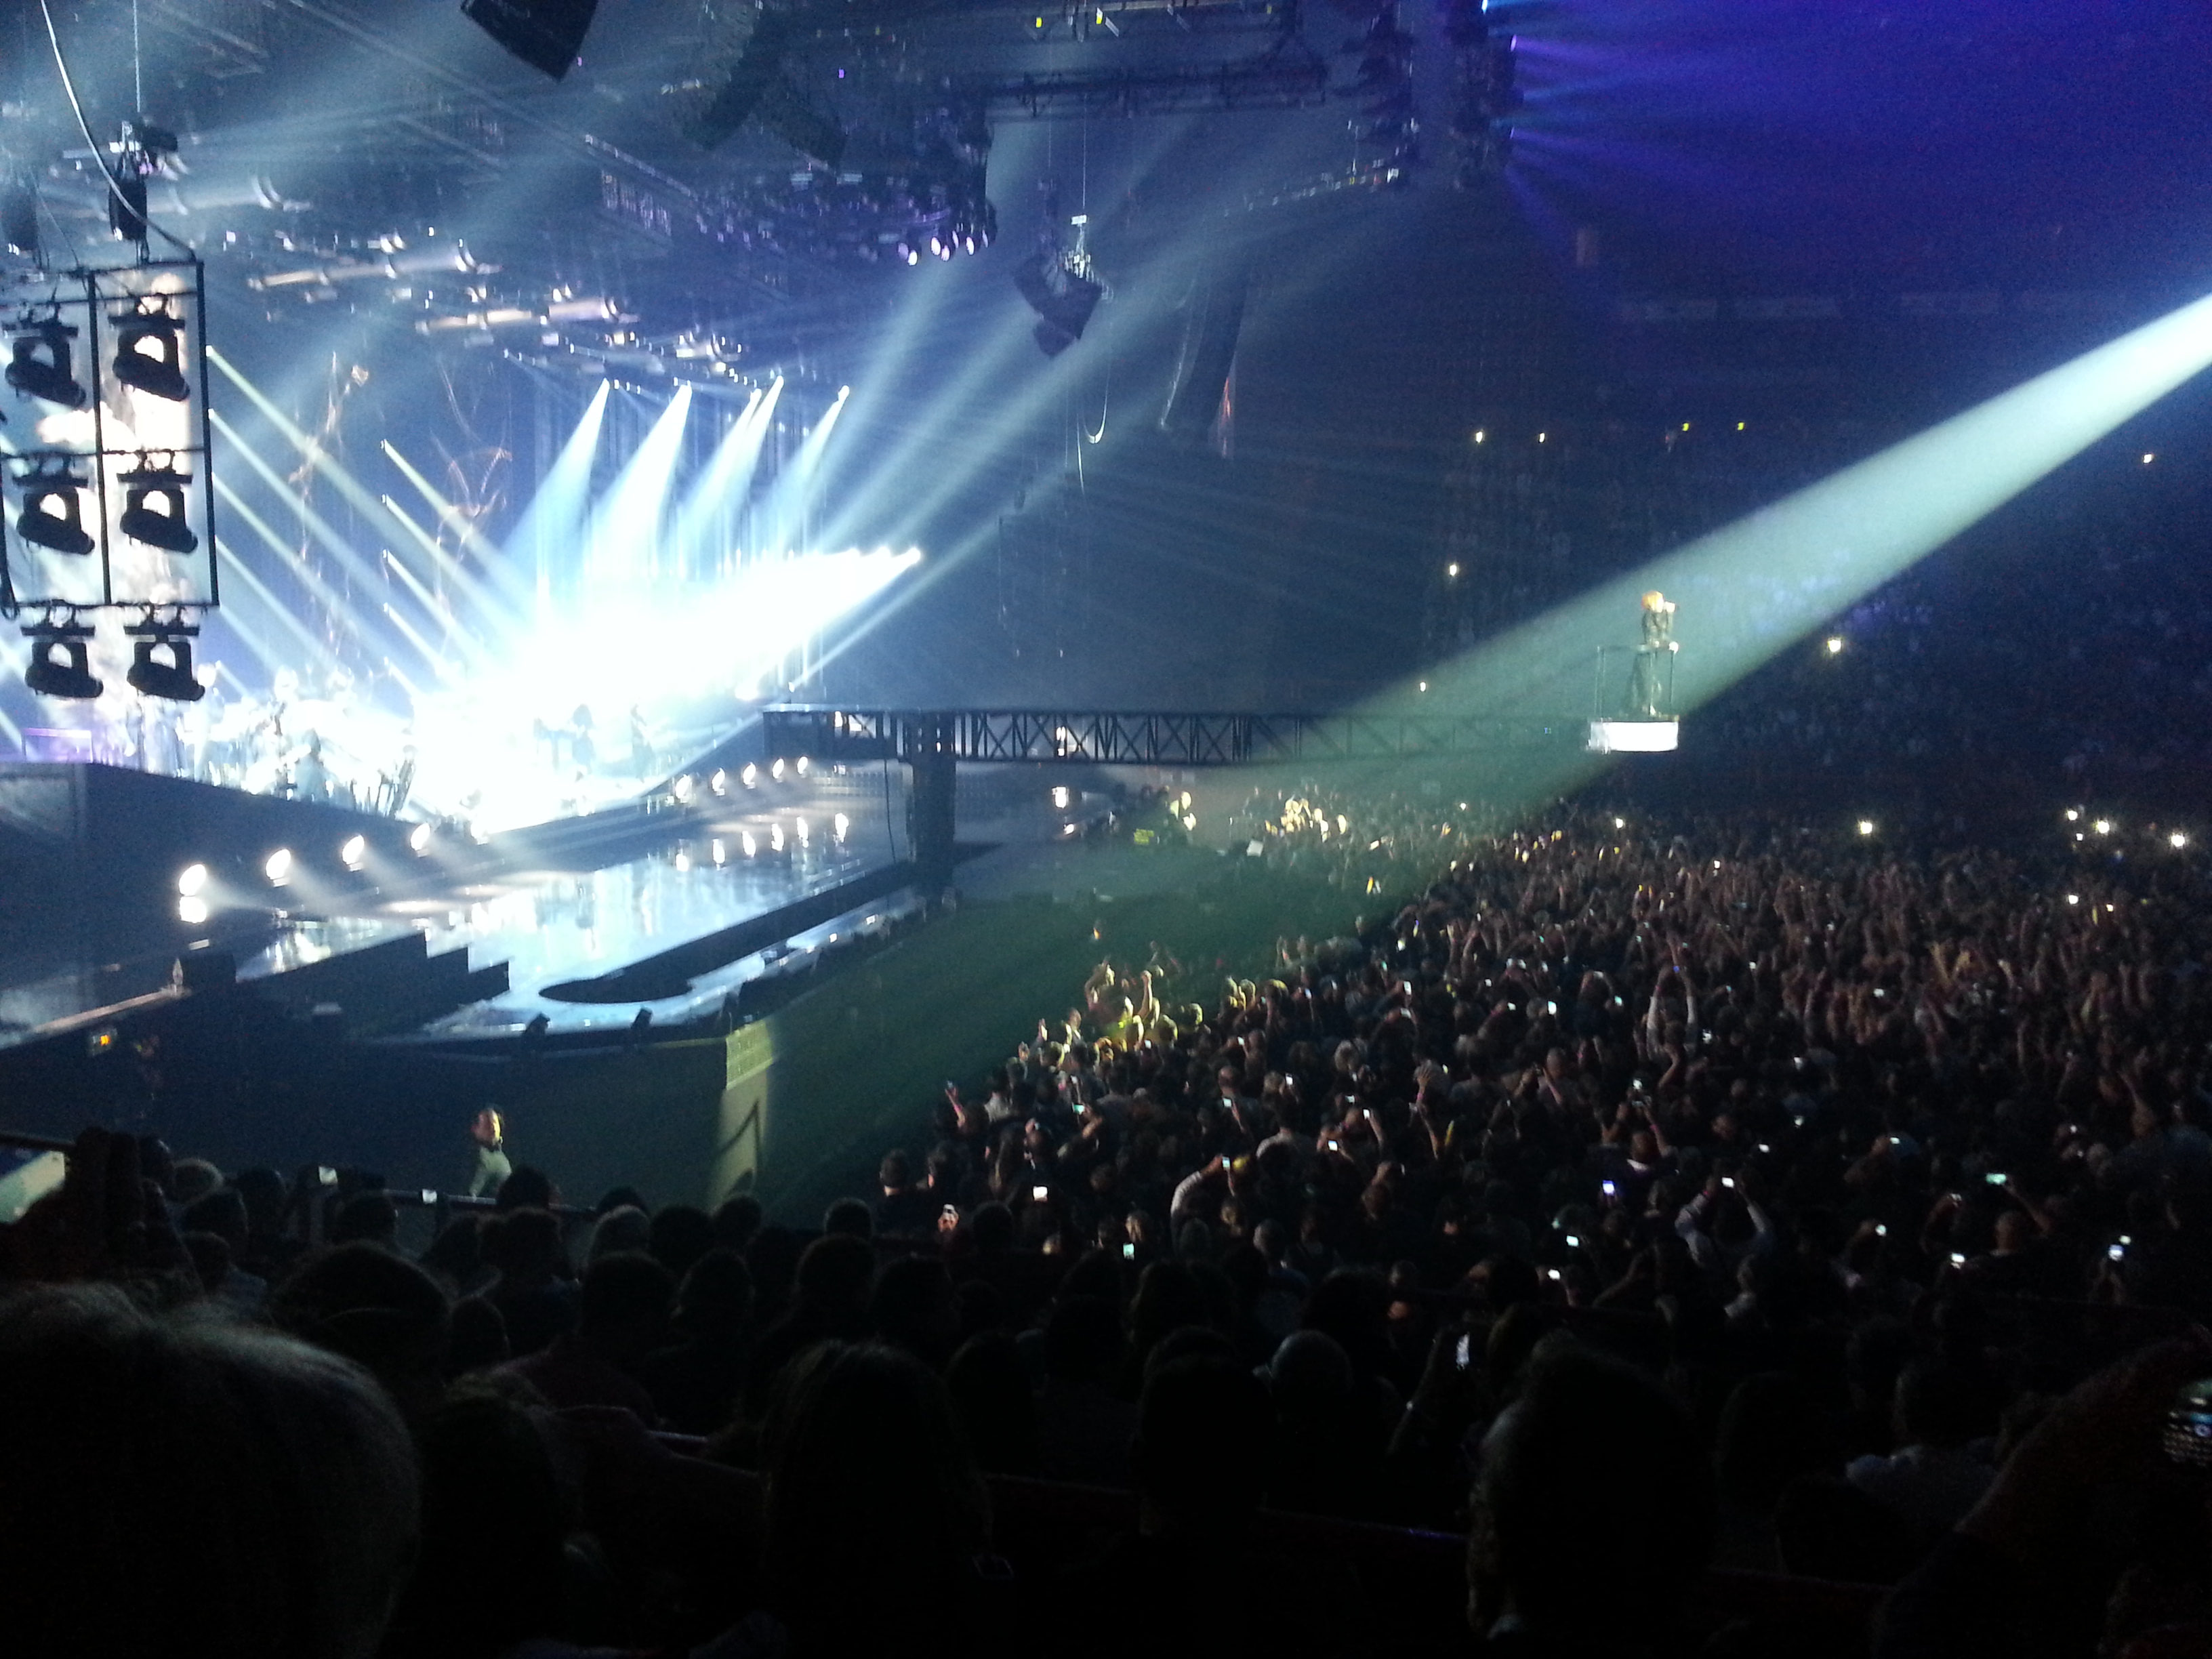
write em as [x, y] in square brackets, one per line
[548, 926]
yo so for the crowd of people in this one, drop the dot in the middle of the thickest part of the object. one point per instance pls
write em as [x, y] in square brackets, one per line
[1646, 1203]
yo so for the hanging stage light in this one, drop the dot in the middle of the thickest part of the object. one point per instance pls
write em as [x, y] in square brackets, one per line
[61, 661]
[39, 366]
[153, 507]
[61, 531]
[173, 680]
[159, 372]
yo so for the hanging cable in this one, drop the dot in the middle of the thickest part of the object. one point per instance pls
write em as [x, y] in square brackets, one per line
[137, 67]
[84, 126]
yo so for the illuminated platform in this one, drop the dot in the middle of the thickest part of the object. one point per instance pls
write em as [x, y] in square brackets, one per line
[1635, 737]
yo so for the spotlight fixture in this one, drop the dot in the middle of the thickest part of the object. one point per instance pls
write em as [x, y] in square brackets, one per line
[418, 839]
[172, 680]
[192, 880]
[61, 664]
[278, 868]
[191, 911]
[159, 372]
[1835, 645]
[39, 366]
[154, 508]
[354, 852]
[2176, 841]
[1866, 826]
[52, 516]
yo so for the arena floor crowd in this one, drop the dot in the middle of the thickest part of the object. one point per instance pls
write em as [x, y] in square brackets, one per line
[1654, 1205]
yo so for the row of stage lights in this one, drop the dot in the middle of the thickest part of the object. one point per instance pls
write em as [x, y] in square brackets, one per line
[684, 787]
[279, 866]
[353, 853]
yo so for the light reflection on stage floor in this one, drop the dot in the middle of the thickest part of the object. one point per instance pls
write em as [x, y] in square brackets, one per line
[551, 927]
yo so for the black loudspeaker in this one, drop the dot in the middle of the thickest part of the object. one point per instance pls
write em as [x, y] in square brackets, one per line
[546, 34]
[1209, 347]
[1063, 300]
[757, 39]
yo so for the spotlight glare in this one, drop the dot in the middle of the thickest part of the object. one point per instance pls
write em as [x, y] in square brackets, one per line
[746, 844]
[191, 911]
[750, 776]
[721, 856]
[802, 766]
[1059, 795]
[355, 852]
[776, 771]
[2073, 815]
[192, 879]
[2177, 840]
[800, 824]
[279, 866]
[720, 783]
[418, 839]
[840, 824]
[2073, 898]
[2103, 826]
[1866, 826]
[1835, 645]
[683, 787]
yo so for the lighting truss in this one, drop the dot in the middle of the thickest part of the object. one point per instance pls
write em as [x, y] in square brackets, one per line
[1146, 739]
[108, 491]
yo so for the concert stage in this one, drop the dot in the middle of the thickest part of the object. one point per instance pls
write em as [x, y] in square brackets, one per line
[92, 856]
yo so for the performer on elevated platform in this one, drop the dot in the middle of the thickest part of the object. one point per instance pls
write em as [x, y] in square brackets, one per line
[1648, 687]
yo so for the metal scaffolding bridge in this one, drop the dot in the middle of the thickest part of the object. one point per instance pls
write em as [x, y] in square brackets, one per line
[1092, 738]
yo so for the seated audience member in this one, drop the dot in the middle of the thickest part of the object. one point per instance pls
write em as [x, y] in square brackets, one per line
[877, 1520]
[991, 1395]
[623, 1230]
[366, 1218]
[736, 1220]
[1326, 1447]
[380, 1311]
[1593, 1463]
[679, 1235]
[189, 1487]
[694, 1383]
[527, 1188]
[622, 1317]
[850, 1216]
[829, 1301]
[1934, 1476]
[491, 1570]
[2073, 1548]
[905, 1210]
[914, 1307]
[1083, 1428]
[531, 1290]
[1206, 1589]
